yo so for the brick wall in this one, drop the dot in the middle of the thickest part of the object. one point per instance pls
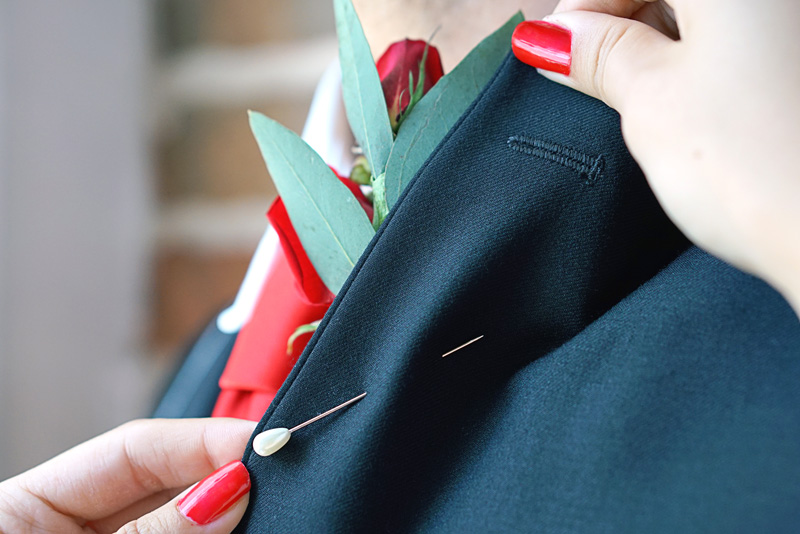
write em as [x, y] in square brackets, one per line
[219, 58]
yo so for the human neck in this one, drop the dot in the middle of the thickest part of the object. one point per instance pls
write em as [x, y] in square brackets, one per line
[459, 24]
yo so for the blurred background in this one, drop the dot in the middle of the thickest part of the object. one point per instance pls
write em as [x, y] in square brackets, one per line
[131, 193]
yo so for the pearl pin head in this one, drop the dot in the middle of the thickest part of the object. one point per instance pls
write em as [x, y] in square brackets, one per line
[271, 441]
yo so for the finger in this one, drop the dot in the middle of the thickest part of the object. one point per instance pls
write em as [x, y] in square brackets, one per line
[136, 460]
[657, 14]
[214, 506]
[617, 8]
[660, 17]
[622, 8]
[133, 511]
[598, 54]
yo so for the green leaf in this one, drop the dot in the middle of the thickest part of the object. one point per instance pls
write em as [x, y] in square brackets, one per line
[303, 329]
[361, 88]
[438, 111]
[380, 208]
[361, 173]
[415, 95]
[329, 221]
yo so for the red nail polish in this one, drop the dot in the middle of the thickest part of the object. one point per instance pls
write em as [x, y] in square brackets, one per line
[543, 45]
[216, 493]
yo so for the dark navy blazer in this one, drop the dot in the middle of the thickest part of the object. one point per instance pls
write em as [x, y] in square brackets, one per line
[627, 381]
[193, 388]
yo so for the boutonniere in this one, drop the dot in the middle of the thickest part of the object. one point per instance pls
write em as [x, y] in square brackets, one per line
[398, 110]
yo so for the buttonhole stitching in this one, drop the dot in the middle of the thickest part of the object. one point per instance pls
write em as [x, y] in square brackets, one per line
[589, 166]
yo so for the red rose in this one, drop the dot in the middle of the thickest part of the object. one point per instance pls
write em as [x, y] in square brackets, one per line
[394, 66]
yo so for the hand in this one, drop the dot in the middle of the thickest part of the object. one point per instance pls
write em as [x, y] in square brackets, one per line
[708, 95]
[116, 480]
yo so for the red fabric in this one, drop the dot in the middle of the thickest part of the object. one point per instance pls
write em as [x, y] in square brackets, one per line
[311, 284]
[292, 295]
[311, 287]
[258, 364]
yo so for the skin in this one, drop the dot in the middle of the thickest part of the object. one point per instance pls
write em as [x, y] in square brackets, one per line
[713, 119]
[127, 480]
[387, 21]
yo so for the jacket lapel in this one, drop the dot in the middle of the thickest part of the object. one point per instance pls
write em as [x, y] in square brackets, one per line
[527, 225]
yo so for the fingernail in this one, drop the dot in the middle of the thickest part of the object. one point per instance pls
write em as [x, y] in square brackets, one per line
[213, 495]
[543, 45]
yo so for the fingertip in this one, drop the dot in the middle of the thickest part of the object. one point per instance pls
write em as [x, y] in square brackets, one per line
[216, 494]
[225, 522]
[555, 77]
[239, 427]
[543, 45]
[199, 510]
[607, 54]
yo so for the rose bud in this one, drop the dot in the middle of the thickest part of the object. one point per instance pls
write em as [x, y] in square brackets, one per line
[402, 60]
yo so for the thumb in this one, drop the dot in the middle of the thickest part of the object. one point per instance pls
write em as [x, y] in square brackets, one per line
[598, 54]
[212, 506]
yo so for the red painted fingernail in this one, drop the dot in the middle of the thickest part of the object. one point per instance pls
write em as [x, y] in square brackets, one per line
[216, 493]
[543, 45]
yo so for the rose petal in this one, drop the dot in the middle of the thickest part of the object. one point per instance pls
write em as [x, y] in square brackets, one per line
[305, 275]
[394, 66]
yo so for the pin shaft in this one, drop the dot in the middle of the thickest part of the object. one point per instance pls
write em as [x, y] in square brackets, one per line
[470, 342]
[320, 416]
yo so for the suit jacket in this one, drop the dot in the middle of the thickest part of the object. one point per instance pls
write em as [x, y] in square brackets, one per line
[193, 388]
[627, 381]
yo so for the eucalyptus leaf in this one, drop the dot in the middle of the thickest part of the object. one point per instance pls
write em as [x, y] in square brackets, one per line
[440, 108]
[380, 208]
[329, 221]
[415, 94]
[361, 88]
